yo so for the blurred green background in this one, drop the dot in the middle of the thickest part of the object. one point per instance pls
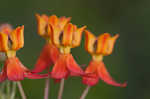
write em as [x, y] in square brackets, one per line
[130, 58]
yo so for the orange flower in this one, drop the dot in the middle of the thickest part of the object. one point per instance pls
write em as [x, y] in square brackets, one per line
[49, 53]
[65, 37]
[68, 36]
[99, 47]
[13, 69]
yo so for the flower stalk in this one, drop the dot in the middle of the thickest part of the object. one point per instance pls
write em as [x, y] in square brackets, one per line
[61, 89]
[85, 92]
[46, 91]
[22, 93]
[13, 91]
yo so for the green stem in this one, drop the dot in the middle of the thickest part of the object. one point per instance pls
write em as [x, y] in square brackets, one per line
[46, 92]
[21, 90]
[13, 91]
[61, 88]
[8, 89]
[85, 92]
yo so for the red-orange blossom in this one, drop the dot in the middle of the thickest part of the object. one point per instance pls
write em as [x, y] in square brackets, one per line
[98, 47]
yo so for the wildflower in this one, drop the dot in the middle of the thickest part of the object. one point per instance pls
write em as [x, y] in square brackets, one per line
[65, 37]
[10, 42]
[49, 53]
[99, 47]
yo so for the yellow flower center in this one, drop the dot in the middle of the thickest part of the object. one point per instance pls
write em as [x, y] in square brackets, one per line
[97, 57]
[11, 53]
[65, 49]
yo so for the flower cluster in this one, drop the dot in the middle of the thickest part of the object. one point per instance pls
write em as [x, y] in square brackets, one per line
[60, 36]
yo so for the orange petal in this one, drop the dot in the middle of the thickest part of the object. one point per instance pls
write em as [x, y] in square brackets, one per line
[50, 31]
[105, 44]
[111, 42]
[104, 75]
[77, 36]
[73, 67]
[63, 21]
[3, 42]
[48, 56]
[15, 69]
[42, 24]
[44, 61]
[67, 35]
[59, 70]
[91, 80]
[102, 43]
[17, 38]
[53, 20]
[54, 53]
[45, 17]
[91, 71]
[56, 35]
[89, 42]
[35, 76]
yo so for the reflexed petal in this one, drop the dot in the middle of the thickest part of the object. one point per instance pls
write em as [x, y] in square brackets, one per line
[89, 41]
[44, 61]
[92, 67]
[73, 67]
[91, 80]
[91, 77]
[59, 70]
[48, 56]
[54, 53]
[35, 76]
[15, 70]
[104, 75]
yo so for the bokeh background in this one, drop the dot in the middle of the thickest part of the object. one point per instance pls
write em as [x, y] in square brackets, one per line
[129, 61]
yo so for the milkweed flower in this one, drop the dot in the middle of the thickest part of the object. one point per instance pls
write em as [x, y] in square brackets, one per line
[98, 47]
[50, 52]
[10, 42]
[65, 37]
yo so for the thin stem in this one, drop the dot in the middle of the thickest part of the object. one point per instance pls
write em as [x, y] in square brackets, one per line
[61, 88]
[8, 89]
[13, 91]
[85, 92]
[21, 90]
[46, 91]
